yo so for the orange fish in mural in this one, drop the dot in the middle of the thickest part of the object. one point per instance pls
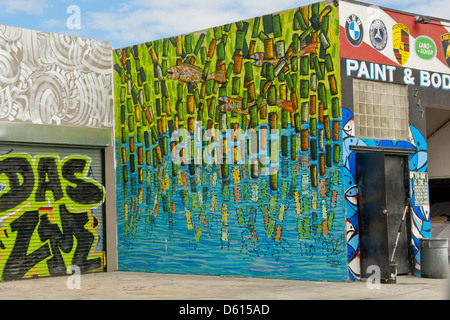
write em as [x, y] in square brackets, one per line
[235, 105]
[260, 58]
[186, 72]
[287, 105]
[231, 104]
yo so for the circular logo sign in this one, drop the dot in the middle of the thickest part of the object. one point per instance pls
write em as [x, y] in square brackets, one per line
[354, 30]
[378, 34]
[425, 48]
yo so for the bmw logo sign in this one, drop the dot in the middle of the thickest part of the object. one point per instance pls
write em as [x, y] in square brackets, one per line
[354, 30]
[378, 34]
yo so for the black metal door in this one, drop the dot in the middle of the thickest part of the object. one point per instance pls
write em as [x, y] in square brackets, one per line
[374, 249]
[397, 191]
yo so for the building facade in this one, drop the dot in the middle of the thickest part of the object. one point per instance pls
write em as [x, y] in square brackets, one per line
[395, 82]
[56, 123]
[285, 146]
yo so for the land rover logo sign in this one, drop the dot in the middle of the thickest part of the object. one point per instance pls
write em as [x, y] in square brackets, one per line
[378, 34]
[425, 48]
[354, 30]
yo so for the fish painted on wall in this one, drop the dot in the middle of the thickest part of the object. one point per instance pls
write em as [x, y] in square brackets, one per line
[259, 57]
[289, 106]
[231, 104]
[190, 73]
[235, 105]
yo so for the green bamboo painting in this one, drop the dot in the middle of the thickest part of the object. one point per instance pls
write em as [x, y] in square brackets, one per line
[228, 149]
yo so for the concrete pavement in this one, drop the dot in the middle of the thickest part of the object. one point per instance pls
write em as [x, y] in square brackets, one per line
[147, 286]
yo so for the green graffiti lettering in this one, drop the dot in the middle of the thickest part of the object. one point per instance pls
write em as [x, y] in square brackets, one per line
[46, 221]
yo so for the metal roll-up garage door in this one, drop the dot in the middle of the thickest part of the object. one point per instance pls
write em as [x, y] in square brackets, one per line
[51, 210]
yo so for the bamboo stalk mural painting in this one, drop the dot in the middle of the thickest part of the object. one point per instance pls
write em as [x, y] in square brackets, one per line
[229, 152]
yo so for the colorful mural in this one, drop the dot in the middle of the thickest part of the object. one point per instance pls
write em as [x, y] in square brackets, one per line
[229, 150]
[46, 220]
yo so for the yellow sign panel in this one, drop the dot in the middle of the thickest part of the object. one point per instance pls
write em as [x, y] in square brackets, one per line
[401, 46]
[445, 42]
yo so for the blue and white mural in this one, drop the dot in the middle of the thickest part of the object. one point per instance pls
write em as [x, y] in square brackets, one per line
[417, 163]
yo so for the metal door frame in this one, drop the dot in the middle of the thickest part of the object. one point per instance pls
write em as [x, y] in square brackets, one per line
[398, 152]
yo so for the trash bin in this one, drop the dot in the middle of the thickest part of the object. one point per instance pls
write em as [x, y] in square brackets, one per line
[434, 258]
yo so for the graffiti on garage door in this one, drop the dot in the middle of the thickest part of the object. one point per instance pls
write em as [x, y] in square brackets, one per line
[46, 218]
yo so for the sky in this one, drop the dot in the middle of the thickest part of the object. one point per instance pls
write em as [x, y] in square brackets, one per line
[124, 23]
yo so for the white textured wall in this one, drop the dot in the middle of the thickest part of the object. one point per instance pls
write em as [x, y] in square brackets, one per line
[54, 79]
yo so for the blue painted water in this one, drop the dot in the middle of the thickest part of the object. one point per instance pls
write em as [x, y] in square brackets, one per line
[203, 224]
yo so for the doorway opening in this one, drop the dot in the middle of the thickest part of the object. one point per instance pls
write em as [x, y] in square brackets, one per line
[438, 150]
[383, 200]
